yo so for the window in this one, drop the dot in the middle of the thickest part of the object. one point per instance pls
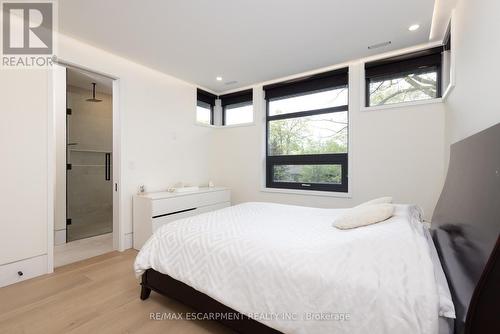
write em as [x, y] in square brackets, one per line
[307, 132]
[205, 107]
[237, 108]
[406, 78]
[204, 113]
[447, 65]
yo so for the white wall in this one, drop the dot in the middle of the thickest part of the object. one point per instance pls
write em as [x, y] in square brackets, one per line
[396, 151]
[473, 105]
[160, 145]
[23, 164]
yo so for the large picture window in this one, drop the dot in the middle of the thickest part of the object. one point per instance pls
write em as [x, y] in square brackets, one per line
[406, 78]
[307, 133]
[205, 103]
[237, 108]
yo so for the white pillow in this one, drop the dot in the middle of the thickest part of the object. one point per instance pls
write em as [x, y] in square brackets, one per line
[364, 215]
[380, 200]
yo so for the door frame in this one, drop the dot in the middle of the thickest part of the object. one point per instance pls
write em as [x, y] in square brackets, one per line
[57, 170]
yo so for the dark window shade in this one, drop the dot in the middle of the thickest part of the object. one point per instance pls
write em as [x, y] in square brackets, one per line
[206, 97]
[204, 105]
[447, 45]
[416, 61]
[316, 82]
[236, 97]
[447, 39]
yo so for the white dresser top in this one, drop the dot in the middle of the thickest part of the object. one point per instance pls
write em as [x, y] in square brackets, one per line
[166, 194]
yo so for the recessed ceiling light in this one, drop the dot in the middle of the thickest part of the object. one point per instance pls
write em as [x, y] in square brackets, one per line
[414, 27]
[218, 78]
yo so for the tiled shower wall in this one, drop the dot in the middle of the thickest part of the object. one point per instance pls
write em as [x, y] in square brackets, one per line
[90, 137]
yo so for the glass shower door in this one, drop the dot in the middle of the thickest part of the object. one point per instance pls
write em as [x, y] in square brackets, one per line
[89, 189]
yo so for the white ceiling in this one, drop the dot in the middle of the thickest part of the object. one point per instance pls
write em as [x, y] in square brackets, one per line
[84, 80]
[244, 41]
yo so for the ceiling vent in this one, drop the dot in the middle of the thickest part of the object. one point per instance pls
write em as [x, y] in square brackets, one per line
[230, 82]
[379, 45]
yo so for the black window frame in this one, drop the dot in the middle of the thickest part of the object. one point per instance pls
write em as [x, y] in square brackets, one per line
[208, 98]
[424, 61]
[447, 81]
[241, 98]
[335, 79]
[447, 38]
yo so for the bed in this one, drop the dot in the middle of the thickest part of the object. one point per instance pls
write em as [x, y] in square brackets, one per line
[270, 268]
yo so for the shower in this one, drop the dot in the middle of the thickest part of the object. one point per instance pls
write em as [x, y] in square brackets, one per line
[89, 156]
[93, 99]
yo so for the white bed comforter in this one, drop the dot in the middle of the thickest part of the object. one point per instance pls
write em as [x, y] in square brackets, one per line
[283, 265]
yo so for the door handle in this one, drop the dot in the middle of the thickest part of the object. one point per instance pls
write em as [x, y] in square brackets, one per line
[107, 167]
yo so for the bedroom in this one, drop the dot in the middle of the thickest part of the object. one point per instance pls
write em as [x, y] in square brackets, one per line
[224, 111]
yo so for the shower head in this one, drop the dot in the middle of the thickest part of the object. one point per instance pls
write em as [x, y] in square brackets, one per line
[93, 99]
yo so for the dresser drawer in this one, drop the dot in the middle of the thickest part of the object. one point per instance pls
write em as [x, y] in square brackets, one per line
[188, 201]
[157, 222]
[35, 266]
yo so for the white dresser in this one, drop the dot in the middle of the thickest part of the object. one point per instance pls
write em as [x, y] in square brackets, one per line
[151, 210]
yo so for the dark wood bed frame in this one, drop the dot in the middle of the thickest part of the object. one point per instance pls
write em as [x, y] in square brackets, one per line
[471, 195]
[482, 317]
[172, 288]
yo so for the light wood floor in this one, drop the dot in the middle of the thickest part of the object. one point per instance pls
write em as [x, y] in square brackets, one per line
[97, 295]
[78, 250]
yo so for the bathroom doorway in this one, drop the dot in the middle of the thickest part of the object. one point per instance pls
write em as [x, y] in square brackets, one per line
[85, 153]
[89, 155]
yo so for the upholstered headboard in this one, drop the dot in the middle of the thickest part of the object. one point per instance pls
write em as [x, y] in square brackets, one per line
[472, 188]
[466, 227]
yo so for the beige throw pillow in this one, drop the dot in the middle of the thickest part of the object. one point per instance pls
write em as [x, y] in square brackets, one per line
[380, 200]
[364, 215]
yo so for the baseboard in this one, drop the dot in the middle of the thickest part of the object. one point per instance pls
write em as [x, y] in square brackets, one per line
[60, 237]
[129, 241]
[32, 267]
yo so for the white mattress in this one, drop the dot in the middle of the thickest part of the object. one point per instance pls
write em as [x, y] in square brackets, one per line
[278, 264]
